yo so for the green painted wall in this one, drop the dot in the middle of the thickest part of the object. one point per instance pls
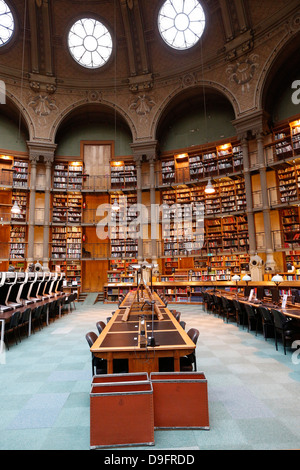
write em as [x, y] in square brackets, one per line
[193, 129]
[9, 135]
[69, 142]
[284, 106]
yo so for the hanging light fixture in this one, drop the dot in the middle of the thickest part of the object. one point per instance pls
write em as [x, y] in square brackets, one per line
[209, 189]
[15, 208]
[115, 207]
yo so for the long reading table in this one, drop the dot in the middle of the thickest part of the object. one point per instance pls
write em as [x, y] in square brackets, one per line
[128, 334]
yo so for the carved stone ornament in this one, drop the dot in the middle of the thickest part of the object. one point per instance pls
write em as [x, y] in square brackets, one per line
[94, 95]
[142, 104]
[188, 80]
[242, 71]
[42, 105]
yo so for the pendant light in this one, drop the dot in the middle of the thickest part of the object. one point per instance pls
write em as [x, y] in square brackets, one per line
[209, 189]
[115, 207]
[15, 208]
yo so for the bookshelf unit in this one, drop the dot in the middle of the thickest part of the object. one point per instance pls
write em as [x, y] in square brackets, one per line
[123, 243]
[17, 242]
[68, 175]
[289, 183]
[123, 174]
[195, 165]
[290, 230]
[20, 174]
[67, 208]
[21, 198]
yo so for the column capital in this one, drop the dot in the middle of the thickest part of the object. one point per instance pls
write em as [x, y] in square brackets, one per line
[41, 149]
[146, 150]
[252, 124]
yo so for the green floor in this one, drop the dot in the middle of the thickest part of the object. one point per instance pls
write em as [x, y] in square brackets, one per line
[253, 389]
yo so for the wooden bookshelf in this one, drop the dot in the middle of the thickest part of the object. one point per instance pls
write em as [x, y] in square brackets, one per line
[290, 227]
[122, 237]
[21, 198]
[289, 183]
[68, 175]
[123, 174]
[195, 165]
[17, 242]
[20, 174]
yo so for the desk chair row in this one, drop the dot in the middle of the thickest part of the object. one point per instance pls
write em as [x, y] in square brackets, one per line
[19, 321]
[272, 322]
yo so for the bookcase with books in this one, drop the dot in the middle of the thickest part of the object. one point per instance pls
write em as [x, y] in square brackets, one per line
[123, 239]
[289, 183]
[17, 243]
[290, 223]
[123, 174]
[199, 164]
[68, 175]
[20, 174]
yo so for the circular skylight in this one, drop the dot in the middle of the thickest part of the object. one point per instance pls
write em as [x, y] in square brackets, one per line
[181, 23]
[7, 24]
[90, 43]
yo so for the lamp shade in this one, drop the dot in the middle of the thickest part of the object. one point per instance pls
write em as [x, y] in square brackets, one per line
[246, 278]
[235, 278]
[115, 207]
[277, 278]
[209, 189]
[15, 208]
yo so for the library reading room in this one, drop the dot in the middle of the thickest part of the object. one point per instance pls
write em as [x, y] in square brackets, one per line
[150, 226]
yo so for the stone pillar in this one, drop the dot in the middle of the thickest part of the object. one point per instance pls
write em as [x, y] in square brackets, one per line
[249, 198]
[138, 164]
[153, 211]
[48, 164]
[46, 151]
[270, 262]
[33, 158]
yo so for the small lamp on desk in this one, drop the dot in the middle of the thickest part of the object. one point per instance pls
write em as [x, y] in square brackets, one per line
[277, 279]
[236, 278]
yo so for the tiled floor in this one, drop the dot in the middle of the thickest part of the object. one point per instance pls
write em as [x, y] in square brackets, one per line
[253, 389]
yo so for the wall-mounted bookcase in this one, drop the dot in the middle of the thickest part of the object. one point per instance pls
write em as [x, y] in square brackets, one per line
[17, 242]
[289, 183]
[68, 175]
[21, 198]
[123, 241]
[196, 165]
[67, 208]
[290, 223]
[286, 141]
[20, 174]
[123, 174]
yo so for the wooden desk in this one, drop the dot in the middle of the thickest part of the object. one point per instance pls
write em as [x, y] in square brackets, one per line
[291, 311]
[121, 339]
[6, 315]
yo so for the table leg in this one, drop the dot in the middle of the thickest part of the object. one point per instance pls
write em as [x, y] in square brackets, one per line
[110, 364]
[2, 335]
[176, 362]
[29, 323]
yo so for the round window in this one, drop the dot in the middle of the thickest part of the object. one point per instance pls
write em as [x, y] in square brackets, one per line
[90, 43]
[181, 23]
[7, 24]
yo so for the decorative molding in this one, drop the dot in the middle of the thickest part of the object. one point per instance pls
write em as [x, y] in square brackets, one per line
[243, 71]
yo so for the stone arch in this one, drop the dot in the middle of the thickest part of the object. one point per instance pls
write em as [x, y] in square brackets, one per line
[18, 112]
[178, 92]
[106, 106]
[287, 46]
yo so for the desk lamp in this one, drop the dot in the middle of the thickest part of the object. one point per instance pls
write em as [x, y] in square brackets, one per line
[236, 278]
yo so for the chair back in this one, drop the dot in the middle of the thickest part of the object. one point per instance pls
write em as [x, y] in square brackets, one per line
[14, 320]
[249, 310]
[279, 319]
[26, 315]
[193, 333]
[100, 326]
[266, 315]
[91, 338]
